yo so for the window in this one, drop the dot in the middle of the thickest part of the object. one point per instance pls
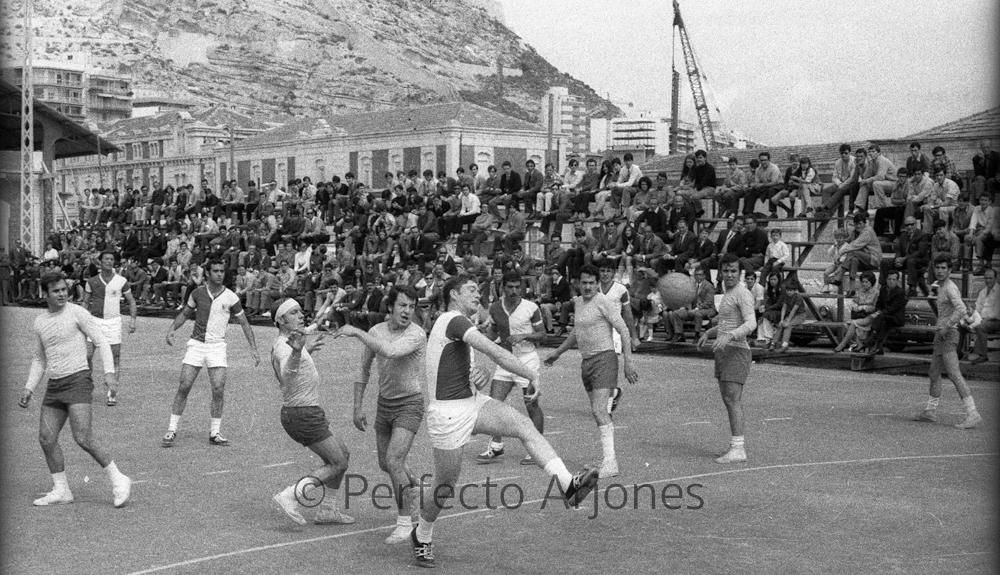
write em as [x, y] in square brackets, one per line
[154, 149]
[136, 151]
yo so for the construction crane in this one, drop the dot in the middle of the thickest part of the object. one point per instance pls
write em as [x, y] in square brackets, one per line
[694, 78]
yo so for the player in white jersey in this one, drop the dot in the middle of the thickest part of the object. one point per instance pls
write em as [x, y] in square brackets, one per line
[102, 298]
[457, 409]
[211, 306]
[518, 324]
[397, 347]
[737, 320]
[61, 354]
[617, 292]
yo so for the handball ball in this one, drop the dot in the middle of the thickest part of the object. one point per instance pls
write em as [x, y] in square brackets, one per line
[676, 290]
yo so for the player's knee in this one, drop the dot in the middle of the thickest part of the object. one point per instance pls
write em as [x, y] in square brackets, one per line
[84, 439]
[47, 438]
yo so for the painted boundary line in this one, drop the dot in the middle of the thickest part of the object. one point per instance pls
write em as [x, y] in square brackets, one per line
[196, 561]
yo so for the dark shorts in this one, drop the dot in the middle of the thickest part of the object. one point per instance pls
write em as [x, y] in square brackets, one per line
[405, 412]
[600, 371]
[733, 364]
[947, 343]
[306, 425]
[65, 391]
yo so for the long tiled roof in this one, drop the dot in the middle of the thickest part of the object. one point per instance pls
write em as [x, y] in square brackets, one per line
[396, 120]
[210, 116]
[982, 125]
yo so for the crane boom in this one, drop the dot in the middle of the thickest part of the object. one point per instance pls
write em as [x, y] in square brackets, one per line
[694, 78]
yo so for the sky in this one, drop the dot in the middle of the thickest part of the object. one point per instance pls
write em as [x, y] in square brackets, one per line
[782, 72]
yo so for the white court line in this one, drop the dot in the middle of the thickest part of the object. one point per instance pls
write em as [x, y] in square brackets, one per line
[219, 472]
[278, 464]
[548, 433]
[138, 481]
[730, 471]
[695, 422]
[880, 414]
[777, 419]
[503, 478]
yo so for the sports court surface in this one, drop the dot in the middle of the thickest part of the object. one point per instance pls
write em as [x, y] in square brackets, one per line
[839, 479]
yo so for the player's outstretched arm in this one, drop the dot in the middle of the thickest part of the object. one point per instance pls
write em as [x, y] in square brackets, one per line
[400, 347]
[241, 318]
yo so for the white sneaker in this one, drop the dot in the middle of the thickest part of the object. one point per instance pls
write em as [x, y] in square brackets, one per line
[609, 469]
[734, 455]
[286, 501]
[54, 497]
[398, 535]
[122, 490]
[971, 420]
[332, 516]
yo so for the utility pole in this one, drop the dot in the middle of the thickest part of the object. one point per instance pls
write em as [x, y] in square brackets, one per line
[27, 136]
[232, 154]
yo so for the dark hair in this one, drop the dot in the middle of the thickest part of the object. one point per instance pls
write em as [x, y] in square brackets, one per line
[49, 278]
[915, 145]
[860, 217]
[511, 276]
[505, 163]
[868, 275]
[728, 258]
[102, 254]
[216, 262]
[892, 272]
[409, 292]
[628, 157]
[845, 148]
[937, 149]
[642, 180]
[590, 270]
[700, 154]
[454, 283]
[874, 148]
[754, 164]
[943, 259]
[764, 155]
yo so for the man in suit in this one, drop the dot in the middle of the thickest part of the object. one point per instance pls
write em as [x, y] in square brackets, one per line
[890, 311]
[684, 246]
[702, 307]
[754, 243]
[531, 185]
[705, 249]
[510, 184]
[680, 210]
[651, 248]
[728, 242]
[913, 252]
[657, 217]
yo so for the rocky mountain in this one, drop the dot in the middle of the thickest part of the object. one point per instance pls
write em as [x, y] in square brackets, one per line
[300, 57]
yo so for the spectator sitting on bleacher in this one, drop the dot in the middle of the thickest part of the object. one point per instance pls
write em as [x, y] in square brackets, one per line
[943, 242]
[890, 312]
[640, 201]
[703, 178]
[752, 245]
[735, 187]
[859, 324]
[913, 253]
[771, 310]
[863, 168]
[986, 167]
[979, 231]
[942, 202]
[702, 307]
[586, 191]
[727, 242]
[777, 255]
[881, 182]
[683, 248]
[861, 254]
[988, 308]
[628, 177]
[892, 215]
[766, 182]
[917, 161]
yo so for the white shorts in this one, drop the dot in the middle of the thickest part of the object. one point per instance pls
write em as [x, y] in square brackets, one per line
[111, 328]
[450, 423]
[201, 354]
[529, 359]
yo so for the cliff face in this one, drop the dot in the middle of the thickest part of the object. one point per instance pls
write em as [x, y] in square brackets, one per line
[300, 57]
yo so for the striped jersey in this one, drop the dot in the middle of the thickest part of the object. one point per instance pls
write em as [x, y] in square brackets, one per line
[106, 297]
[449, 358]
[212, 313]
[519, 321]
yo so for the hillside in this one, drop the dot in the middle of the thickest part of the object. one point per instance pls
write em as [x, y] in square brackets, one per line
[299, 57]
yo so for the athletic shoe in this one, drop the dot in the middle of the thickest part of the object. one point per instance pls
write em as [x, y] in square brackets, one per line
[527, 460]
[423, 553]
[489, 456]
[971, 420]
[609, 469]
[54, 497]
[398, 535]
[122, 490]
[332, 516]
[581, 486]
[616, 396]
[927, 416]
[286, 501]
[112, 398]
[168, 439]
[217, 439]
[734, 455]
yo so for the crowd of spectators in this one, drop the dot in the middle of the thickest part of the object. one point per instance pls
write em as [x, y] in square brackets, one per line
[338, 245]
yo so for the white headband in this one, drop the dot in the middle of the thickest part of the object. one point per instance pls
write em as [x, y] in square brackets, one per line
[288, 305]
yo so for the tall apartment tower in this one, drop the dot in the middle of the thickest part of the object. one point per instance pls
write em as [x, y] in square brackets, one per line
[562, 113]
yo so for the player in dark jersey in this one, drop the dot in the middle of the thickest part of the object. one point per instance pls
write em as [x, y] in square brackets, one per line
[211, 306]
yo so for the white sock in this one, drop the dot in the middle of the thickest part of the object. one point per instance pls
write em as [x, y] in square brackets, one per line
[332, 495]
[496, 445]
[736, 441]
[932, 403]
[174, 420]
[113, 474]
[60, 482]
[216, 425]
[557, 468]
[970, 404]
[404, 521]
[425, 530]
[607, 441]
